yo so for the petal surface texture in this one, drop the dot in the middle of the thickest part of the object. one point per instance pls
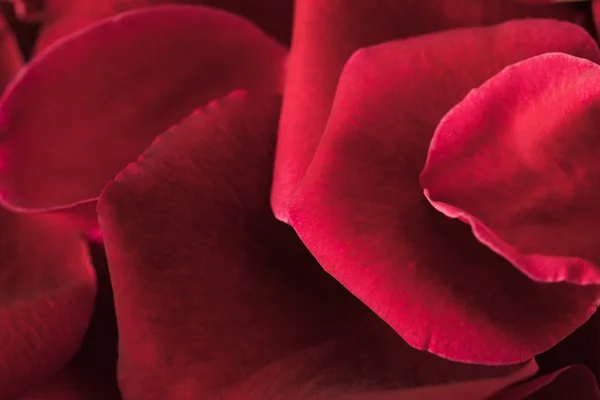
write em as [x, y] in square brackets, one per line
[64, 17]
[216, 298]
[47, 289]
[362, 213]
[89, 105]
[327, 32]
[516, 160]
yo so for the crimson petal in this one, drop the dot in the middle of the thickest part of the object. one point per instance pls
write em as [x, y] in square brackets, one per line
[327, 32]
[47, 289]
[214, 296]
[64, 17]
[517, 160]
[88, 106]
[362, 213]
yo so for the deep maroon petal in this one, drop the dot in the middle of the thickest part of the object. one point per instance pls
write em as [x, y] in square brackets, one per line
[47, 289]
[215, 297]
[64, 17]
[327, 32]
[362, 213]
[88, 106]
[517, 160]
[575, 382]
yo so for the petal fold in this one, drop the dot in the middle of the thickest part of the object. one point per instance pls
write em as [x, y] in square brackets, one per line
[517, 161]
[327, 32]
[47, 290]
[215, 297]
[361, 211]
[89, 105]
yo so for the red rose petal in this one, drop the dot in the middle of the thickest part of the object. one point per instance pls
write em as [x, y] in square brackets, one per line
[327, 32]
[517, 160]
[86, 107]
[362, 213]
[575, 382]
[214, 297]
[64, 17]
[47, 289]
[10, 56]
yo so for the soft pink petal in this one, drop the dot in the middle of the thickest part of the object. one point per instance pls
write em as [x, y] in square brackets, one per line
[47, 289]
[517, 161]
[88, 106]
[575, 382]
[362, 213]
[214, 297]
[64, 17]
[327, 32]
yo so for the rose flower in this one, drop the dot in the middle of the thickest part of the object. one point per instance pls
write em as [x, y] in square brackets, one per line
[310, 200]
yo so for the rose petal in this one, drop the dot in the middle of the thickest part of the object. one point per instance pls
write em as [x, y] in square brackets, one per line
[516, 160]
[10, 56]
[25, 33]
[120, 83]
[214, 297]
[64, 17]
[575, 382]
[362, 213]
[326, 33]
[91, 374]
[47, 289]
[581, 347]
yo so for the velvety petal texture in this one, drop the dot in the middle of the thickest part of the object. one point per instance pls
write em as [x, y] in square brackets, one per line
[517, 161]
[64, 17]
[326, 34]
[362, 213]
[216, 298]
[120, 83]
[47, 289]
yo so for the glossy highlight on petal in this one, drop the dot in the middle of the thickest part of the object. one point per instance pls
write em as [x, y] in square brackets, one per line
[361, 211]
[120, 83]
[47, 289]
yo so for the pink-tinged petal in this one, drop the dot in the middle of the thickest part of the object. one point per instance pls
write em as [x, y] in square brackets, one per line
[47, 289]
[327, 32]
[64, 17]
[516, 160]
[89, 105]
[215, 297]
[362, 213]
[575, 382]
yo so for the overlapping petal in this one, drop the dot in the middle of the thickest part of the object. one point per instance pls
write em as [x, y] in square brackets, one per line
[63, 17]
[362, 213]
[88, 106]
[517, 160]
[327, 32]
[575, 382]
[214, 297]
[47, 289]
